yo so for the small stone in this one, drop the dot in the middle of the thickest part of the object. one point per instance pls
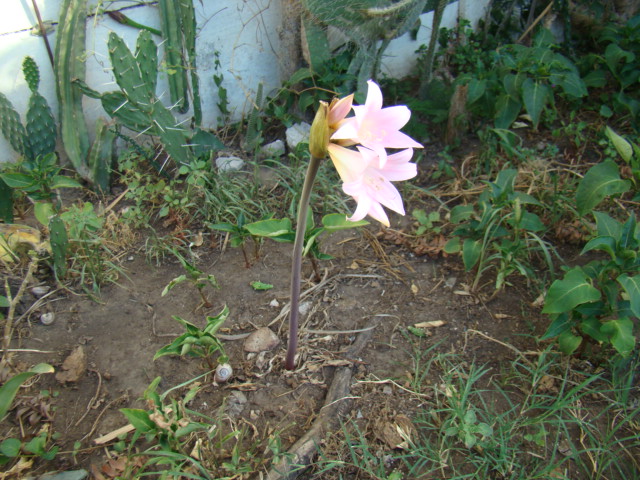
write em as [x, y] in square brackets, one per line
[261, 340]
[304, 308]
[235, 403]
[297, 133]
[130, 258]
[47, 318]
[387, 390]
[229, 164]
[274, 303]
[273, 149]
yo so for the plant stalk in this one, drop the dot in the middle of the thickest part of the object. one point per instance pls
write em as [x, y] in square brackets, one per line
[296, 262]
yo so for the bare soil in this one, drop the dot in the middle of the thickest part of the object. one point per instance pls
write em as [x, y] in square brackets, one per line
[369, 280]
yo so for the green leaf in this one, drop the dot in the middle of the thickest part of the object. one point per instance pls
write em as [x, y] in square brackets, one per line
[43, 212]
[338, 221]
[4, 302]
[621, 335]
[475, 90]
[452, 246]
[623, 147]
[604, 243]
[471, 250]
[631, 285]
[173, 283]
[573, 290]
[10, 447]
[460, 213]
[607, 226]
[19, 181]
[256, 285]
[507, 110]
[599, 182]
[269, 228]
[592, 326]
[560, 324]
[60, 181]
[10, 388]
[534, 96]
[568, 342]
[139, 419]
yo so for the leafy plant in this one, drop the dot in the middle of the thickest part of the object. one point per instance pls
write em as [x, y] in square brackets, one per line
[522, 77]
[601, 299]
[427, 221]
[195, 276]
[499, 233]
[198, 342]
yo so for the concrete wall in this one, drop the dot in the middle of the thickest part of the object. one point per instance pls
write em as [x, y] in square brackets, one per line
[258, 41]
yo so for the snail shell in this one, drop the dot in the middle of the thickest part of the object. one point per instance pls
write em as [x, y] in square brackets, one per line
[223, 373]
[47, 318]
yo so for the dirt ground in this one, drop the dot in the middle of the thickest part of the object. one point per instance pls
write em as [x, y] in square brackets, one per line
[370, 281]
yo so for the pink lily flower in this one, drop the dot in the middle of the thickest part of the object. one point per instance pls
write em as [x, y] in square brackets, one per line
[368, 183]
[375, 127]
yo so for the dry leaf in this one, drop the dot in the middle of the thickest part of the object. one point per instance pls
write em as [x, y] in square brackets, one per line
[198, 240]
[414, 289]
[73, 366]
[430, 324]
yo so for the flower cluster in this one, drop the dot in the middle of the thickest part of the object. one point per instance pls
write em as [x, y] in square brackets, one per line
[368, 170]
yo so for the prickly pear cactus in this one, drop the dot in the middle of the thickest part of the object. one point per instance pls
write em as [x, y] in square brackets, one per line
[59, 245]
[31, 73]
[41, 126]
[12, 128]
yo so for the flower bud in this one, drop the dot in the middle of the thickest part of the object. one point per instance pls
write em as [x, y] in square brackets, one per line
[319, 135]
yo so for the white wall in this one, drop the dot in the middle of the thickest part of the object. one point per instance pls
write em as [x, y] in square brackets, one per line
[254, 38]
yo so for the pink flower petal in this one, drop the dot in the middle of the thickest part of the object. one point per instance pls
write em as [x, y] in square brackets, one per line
[349, 163]
[339, 110]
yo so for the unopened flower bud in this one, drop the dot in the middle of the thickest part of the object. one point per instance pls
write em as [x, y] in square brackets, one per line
[319, 135]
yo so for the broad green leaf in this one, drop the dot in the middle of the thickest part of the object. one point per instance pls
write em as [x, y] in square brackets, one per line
[568, 342]
[507, 110]
[475, 90]
[139, 419]
[631, 285]
[471, 250]
[43, 212]
[560, 324]
[4, 302]
[338, 221]
[570, 82]
[60, 181]
[623, 147]
[452, 246]
[17, 180]
[10, 447]
[591, 326]
[599, 182]
[621, 335]
[604, 243]
[534, 96]
[460, 213]
[10, 388]
[613, 55]
[607, 226]
[223, 227]
[270, 228]
[573, 290]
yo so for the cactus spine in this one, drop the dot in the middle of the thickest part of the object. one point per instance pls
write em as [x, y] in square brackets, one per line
[69, 65]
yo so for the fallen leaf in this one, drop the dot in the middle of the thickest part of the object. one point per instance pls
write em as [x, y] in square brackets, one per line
[73, 366]
[414, 289]
[430, 324]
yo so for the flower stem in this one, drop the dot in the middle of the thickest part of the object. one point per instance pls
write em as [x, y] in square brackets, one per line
[296, 262]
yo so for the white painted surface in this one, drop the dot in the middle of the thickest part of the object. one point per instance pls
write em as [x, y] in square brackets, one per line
[249, 34]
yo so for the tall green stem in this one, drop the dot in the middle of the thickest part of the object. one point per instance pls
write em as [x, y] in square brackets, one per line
[296, 262]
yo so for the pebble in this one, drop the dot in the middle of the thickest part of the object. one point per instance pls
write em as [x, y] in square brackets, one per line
[261, 340]
[229, 164]
[273, 149]
[297, 133]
